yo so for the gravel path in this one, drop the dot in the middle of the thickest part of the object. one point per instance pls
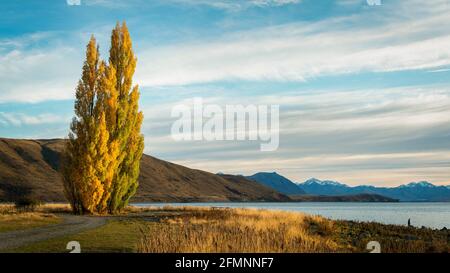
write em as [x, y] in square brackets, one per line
[71, 224]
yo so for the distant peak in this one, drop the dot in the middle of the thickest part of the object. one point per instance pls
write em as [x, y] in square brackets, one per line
[266, 173]
[419, 184]
[322, 182]
[313, 180]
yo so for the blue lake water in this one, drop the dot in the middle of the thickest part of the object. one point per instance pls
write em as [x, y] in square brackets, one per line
[434, 215]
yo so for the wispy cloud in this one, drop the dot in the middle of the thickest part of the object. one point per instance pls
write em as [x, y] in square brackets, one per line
[21, 119]
[236, 5]
[377, 136]
[351, 2]
[367, 42]
[228, 5]
[73, 2]
[439, 70]
[33, 75]
[299, 51]
[382, 134]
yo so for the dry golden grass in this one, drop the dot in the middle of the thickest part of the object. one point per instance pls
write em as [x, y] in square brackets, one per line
[12, 219]
[55, 208]
[46, 208]
[26, 216]
[169, 208]
[239, 230]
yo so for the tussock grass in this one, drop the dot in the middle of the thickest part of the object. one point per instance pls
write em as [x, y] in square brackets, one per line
[238, 230]
[45, 208]
[26, 216]
[12, 219]
[55, 208]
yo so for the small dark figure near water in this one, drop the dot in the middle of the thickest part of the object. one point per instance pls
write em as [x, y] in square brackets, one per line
[409, 222]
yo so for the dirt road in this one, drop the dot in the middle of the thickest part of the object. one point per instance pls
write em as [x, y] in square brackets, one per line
[71, 224]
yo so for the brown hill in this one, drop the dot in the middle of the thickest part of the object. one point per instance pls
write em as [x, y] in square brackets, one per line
[31, 168]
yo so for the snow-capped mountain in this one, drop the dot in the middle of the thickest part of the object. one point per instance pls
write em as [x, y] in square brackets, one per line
[313, 181]
[418, 184]
[323, 187]
[421, 191]
[414, 191]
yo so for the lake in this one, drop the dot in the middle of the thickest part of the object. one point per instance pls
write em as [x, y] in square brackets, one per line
[434, 215]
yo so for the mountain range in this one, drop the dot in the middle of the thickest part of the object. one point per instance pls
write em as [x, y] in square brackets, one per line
[32, 168]
[413, 192]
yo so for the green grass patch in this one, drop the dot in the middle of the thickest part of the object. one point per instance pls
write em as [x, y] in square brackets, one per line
[115, 236]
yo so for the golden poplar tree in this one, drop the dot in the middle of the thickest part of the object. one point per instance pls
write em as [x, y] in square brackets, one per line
[106, 107]
[105, 144]
[89, 153]
[125, 125]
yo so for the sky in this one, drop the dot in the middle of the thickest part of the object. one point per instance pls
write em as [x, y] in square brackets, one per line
[363, 90]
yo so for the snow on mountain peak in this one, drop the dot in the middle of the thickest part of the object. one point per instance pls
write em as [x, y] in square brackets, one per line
[419, 184]
[322, 182]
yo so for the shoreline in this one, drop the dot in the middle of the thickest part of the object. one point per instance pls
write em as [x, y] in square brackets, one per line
[193, 229]
[270, 207]
[396, 213]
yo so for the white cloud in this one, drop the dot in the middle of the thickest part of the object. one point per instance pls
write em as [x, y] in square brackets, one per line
[237, 5]
[376, 169]
[274, 2]
[21, 119]
[374, 136]
[350, 2]
[228, 5]
[291, 52]
[73, 2]
[298, 51]
[39, 75]
[363, 136]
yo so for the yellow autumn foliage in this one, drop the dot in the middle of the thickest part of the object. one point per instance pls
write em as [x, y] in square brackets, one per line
[105, 144]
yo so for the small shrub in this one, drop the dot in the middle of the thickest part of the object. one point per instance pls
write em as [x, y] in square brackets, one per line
[27, 204]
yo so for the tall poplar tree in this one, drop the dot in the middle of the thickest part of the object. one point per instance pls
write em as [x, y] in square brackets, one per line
[126, 125]
[106, 106]
[105, 144]
[88, 141]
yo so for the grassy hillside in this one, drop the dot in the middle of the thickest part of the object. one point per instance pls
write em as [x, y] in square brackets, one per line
[31, 168]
